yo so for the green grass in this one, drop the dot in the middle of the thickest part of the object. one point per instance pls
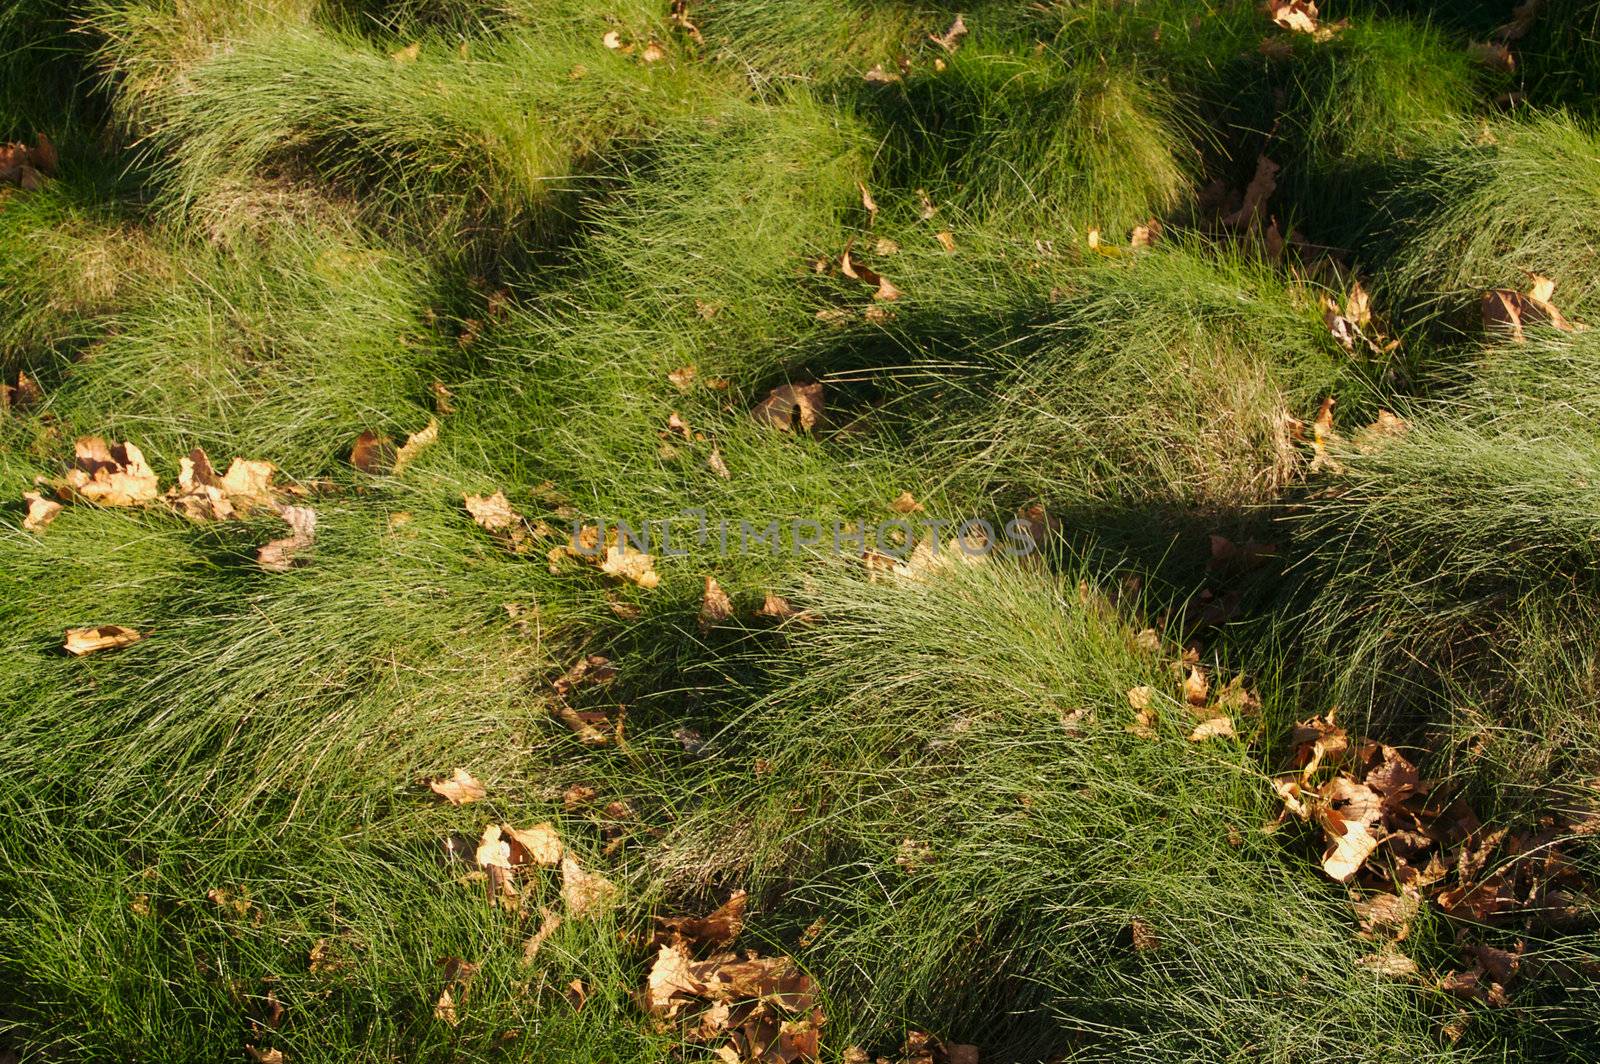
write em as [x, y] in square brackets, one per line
[274, 228]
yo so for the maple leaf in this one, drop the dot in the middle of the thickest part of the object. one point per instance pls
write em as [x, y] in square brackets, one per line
[791, 408]
[281, 555]
[585, 893]
[950, 39]
[202, 495]
[415, 444]
[41, 511]
[715, 605]
[109, 476]
[459, 789]
[539, 845]
[717, 930]
[81, 641]
[1256, 194]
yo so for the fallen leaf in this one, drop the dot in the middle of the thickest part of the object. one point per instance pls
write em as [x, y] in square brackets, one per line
[791, 408]
[1196, 687]
[856, 271]
[201, 495]
[442, 397]
[549, 921]
[591, 670]
[81, 641]
[1260, 190]
[1214, 728]
[281, 555]
[408, 54]
[867, 202]
[460, 789]
[950, 39]
[1389, 963]
[717, 465]
[1144, 937]
[539, 845]
[415, 444]
[585, 893]
[1494, 56]
[1351, 818]
[41, 511]
[1145, 235]
[1389, 915]
[1144, 723]
[715, 605]
[653, 53]
[372, 453]
[682, 378]
[717, 930]
[266, 1056]
[110, 476]
[905, 503]
[669, 979]
[624, 562]
[457, 976]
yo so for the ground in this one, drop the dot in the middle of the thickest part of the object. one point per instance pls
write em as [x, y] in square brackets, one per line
[487, 484]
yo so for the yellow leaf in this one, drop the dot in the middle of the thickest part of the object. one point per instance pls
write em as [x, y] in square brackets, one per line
[81, 641]
[415, 444]
[459, 789]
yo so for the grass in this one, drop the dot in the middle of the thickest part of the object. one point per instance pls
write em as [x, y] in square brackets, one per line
[275, 227]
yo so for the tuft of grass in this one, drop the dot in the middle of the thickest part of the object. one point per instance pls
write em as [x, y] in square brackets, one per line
[1501, 202]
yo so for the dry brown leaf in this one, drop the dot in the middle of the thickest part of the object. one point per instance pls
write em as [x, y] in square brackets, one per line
[1214, 728]
[539, 845]
[201, 495]
[549, 921]
[281, 555]
[884, 289]
[442, 397]
[591, 670]
[1145, 938]
[408, 54]
[624, 562]
[81, 641]
[41, 511]
[415, 444]
[1144, 723]
[1388, 914]
[791, 407]
[715, 931]
[670, 979]
[717, 465]
[1146, 235]
[867, 202]
[1351, 818]
[682, 378]
[266, 1056]
[1196, 687]
[715, 605]
[1142, 697]
[1494, 55]
[905, 503]
[372, 453]
[1389, 963]
[460, 789]
[493, 513]
[1256, 195]
[585, 893]
[110, 476]
[950, 39]
[653, 53]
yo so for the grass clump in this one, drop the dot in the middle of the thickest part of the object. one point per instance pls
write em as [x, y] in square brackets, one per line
[982, 861]
[1511, 200]
[582, 243]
